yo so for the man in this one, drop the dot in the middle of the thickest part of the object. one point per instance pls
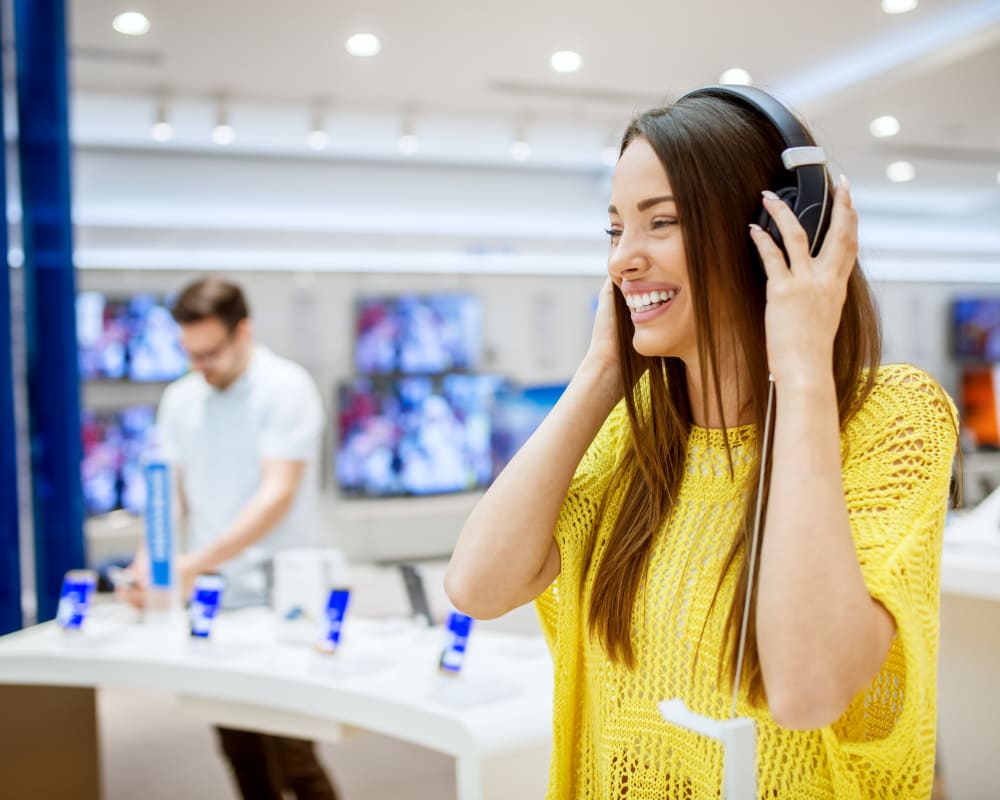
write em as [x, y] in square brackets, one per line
[242, 432]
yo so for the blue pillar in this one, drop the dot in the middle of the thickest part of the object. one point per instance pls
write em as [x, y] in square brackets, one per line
[49, 291]
[10, 554]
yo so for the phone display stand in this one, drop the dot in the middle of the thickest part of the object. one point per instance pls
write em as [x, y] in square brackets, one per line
[739, 750]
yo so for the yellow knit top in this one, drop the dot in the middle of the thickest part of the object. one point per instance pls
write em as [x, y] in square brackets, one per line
[609, 740]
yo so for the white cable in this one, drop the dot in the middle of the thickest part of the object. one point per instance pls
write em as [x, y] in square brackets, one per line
[753, 545]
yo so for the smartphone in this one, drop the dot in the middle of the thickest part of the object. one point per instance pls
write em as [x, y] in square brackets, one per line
[415, 592]
[457, 631]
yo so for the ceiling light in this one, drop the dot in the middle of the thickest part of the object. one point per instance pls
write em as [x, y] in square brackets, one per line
[162, 130]
[318, 138]
[223, 133]
[566, 61]
[736, 76]
[520, 149]
[900, 171]
[363, 45]
[883, 127]
[408, 142]
[131, 23]
[898, 6]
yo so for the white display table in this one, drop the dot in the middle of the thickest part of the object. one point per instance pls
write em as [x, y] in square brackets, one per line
[495, 720]
[969, 662]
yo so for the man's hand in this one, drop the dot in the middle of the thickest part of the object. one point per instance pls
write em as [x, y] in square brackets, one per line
[133, 589]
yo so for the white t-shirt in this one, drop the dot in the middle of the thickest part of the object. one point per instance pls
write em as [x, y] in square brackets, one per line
[218, 439]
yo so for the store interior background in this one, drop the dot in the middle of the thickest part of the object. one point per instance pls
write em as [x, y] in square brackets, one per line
[308, 231]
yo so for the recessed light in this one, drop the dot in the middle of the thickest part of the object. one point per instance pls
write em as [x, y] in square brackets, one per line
[162, 131]
[363, 45]
[900, 171]
[883, 127]
[898, 6]
[131, 23]
[736, 76]
[566, 61]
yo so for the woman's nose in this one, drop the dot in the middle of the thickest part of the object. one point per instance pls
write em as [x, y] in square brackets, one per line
[626, 259]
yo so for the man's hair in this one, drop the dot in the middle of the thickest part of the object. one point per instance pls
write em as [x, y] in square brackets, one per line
[210, 298]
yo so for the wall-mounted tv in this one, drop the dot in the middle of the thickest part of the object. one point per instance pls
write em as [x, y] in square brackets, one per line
[417, 334]
[417, 435]
[975, 328]
[113, 446]
[127, 337]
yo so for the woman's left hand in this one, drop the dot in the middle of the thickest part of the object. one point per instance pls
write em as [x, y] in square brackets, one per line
[805, 295]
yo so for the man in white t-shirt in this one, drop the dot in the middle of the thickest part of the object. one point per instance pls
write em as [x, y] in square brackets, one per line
[243, 433]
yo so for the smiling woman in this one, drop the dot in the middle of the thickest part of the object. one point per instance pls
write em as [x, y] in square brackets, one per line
[629, 515]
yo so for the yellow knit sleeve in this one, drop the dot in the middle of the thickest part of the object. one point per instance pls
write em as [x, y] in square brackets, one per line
[898, 456]
[576, 518]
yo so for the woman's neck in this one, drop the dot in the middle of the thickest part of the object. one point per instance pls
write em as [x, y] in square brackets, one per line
[736, 403]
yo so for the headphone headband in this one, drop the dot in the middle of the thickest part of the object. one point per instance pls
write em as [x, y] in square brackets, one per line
[807, 191]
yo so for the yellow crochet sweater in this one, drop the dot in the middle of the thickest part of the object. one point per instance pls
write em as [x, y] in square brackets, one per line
[610, 742]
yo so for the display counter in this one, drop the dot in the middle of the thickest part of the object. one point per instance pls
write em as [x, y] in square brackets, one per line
[495, 719]
[969, 660]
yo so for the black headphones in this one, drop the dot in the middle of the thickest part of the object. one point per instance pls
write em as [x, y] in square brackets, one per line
[804, 186]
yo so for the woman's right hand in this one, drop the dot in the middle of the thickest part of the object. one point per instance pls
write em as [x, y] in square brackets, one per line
[603, 350]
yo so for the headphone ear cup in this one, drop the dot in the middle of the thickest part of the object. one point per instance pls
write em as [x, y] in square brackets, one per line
[788, 195]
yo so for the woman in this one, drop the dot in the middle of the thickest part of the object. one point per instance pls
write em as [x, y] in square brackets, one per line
[628, 515]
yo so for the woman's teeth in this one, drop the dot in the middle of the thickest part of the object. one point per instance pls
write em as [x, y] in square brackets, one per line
[645, 301]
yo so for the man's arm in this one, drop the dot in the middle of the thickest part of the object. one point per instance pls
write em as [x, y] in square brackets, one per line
[279, 482]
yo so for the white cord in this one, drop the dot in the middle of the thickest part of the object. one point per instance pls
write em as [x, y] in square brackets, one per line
[753, 545]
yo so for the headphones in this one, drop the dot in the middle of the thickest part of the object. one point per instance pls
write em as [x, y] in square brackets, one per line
[804, 186]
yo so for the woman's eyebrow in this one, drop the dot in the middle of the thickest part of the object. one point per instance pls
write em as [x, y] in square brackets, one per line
[649, 202]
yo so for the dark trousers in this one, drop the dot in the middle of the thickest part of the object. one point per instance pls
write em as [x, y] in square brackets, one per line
[269, 767]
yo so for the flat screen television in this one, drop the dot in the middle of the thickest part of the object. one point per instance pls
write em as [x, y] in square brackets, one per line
[418, 435]
[134, 338]
[417, 334]
[518, 411]
[111, 469]
[975, 328]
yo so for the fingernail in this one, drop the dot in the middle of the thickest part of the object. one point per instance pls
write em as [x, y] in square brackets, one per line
[769, 195]
[844, 182]
[755, 227]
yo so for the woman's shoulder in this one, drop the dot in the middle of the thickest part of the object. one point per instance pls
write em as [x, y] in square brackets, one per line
[905, 392]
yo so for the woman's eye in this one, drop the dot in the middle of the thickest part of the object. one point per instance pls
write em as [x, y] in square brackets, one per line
[614, 233]
[663, 223]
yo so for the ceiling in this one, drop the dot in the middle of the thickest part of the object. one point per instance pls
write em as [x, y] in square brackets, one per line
[937, 69]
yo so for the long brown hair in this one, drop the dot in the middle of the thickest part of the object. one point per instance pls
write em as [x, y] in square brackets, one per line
[718, 157]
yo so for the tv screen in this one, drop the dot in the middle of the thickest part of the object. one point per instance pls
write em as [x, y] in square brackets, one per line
[134, 338]
[417, 334]
[102, 334]
[518, 412]
[111, 469]
[976, 328]
[416, 435]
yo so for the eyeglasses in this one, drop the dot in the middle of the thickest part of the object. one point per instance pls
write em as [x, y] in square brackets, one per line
[212, 354]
